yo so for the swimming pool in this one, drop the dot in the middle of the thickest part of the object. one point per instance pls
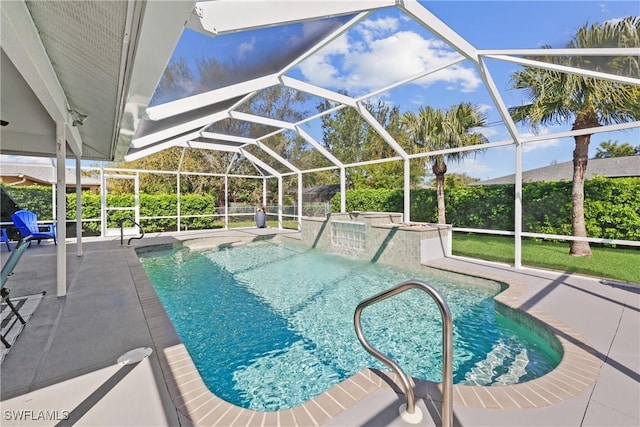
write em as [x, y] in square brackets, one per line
[270, 325]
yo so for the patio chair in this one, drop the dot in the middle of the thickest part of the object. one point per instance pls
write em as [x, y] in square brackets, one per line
[4, 238]
[27, 224]
[7, 270]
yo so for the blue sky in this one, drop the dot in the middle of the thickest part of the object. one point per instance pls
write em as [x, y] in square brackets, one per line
[389, 46]
[384, 47]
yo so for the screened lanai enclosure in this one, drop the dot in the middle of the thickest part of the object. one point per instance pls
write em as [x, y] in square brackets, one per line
[252, 102]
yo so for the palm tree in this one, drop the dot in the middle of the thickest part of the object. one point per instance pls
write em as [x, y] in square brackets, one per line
[557, 97]
[435, 129]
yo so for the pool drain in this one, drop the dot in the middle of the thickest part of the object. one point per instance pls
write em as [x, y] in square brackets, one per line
[134, 356]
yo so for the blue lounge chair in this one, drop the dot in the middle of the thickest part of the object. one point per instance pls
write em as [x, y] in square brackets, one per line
[27, 224]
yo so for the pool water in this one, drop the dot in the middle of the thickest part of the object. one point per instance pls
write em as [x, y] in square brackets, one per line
[270, 325]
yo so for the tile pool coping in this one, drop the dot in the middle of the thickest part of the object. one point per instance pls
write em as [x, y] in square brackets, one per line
[576, 372]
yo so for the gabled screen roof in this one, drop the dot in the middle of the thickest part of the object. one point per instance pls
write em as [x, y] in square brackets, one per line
[290, 73]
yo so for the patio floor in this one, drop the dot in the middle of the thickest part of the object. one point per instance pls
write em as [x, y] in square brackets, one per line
[63, 369]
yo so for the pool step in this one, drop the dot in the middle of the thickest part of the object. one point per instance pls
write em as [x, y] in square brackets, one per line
[517, 369]
[484, 372]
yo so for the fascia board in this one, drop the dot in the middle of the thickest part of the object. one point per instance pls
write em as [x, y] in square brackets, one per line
[160, 28]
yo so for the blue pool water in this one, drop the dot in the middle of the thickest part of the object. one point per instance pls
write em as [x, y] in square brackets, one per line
[270, 325]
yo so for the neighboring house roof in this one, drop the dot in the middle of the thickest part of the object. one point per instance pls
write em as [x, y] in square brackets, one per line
[613, 167]
[45, 174]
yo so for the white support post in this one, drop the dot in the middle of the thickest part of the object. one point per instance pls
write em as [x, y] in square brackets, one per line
[407, 191]
[264, 191]
[61, 208]
[178, 200]
[137, 198]
[103, 201]
[280, 203]
[178, 207]
[226, 202]
[78, 206]
[518, 208]
[54, 211]
[343, 189]
[299, 201]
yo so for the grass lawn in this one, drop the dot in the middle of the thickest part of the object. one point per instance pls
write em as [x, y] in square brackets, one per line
[612, 263]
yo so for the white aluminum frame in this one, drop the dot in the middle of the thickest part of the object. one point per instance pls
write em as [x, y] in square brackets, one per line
[208, 19]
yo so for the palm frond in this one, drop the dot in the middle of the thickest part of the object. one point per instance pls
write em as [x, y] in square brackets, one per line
[553, 97]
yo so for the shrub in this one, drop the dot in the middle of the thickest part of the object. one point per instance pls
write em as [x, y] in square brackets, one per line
[34, 198]
[612, 206]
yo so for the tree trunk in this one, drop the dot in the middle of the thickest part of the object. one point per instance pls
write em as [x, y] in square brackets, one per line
[580, 156]
[440, 169]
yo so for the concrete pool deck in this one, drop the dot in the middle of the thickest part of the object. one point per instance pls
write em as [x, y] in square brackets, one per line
[63, 368]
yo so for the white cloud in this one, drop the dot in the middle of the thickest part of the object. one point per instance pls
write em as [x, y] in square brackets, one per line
[370, 29]
[375, 63]
[484, 108]
[528, 147]
[383, 25]
[489, 132]
[531, 146]
[246, 48]
[457, 75]
[418, 99]
[319, 70]
[470, 166]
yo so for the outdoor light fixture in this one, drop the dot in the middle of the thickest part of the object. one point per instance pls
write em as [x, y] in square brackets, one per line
[78, 118]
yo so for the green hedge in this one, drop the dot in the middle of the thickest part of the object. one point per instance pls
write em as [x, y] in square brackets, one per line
[34, 198]
[612, 206]
[38, 199]
[150, 205]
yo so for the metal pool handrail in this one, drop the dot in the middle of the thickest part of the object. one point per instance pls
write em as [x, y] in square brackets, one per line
[122, 230]
[447, 344]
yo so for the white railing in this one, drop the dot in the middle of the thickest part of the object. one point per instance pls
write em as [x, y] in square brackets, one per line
[245, 212]
[549, 236]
